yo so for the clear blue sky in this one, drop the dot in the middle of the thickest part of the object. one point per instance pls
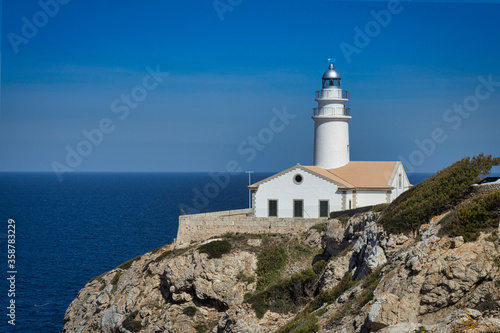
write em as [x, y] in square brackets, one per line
[229, 68]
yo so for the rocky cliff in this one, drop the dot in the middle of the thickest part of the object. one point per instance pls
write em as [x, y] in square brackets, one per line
[348, 276]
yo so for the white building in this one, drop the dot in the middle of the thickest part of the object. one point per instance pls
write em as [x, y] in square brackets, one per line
[334, 182]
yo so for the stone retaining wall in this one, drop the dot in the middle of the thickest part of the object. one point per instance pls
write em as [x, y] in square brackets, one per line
[199, 227]
[350, 212]
[486, 188]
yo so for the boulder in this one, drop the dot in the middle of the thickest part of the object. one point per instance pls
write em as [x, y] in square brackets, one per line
[209, 279]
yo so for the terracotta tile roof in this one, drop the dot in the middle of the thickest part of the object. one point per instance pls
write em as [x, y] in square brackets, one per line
[366, 174]
[328, 174]
[358, 174]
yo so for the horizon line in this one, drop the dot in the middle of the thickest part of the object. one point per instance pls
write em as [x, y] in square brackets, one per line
[497, 2]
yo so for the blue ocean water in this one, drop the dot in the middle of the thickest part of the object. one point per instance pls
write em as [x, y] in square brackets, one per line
[69, 232]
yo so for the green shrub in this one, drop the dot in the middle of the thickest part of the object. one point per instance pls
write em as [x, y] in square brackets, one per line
[305, 276]
[270, 262]
[329, 296]
[162, 256]
[475, 216]
[126, 265]
[114, 280]
[446, 223]
[216, 249]
[373, 278]
[200, 328]
[273, 298]
[345, 251]
[319, 266]
[269, 292]
[285, 295]
[380, 207]
[303, 323]
[190, 311]
[301, 250]
[242, 277]
[99, 278]
[369, 284]
[435, 195]
[344, 219]
[131, 324]
[320, 227]
[321, 312]
[340, 313]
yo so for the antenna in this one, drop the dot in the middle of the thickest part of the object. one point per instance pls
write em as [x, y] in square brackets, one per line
[249, 190]
[332, 61]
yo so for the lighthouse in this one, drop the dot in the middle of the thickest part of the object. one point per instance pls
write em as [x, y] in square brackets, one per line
[334, 183]
[331, 122]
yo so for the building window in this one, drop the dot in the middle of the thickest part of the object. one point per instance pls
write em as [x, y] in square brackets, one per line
[272, 208]
[350, 204]
[298, 179]
[298, 208]
[400, 181]
[323, 208]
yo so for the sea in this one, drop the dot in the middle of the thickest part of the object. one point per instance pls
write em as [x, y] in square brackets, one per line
[68, 232]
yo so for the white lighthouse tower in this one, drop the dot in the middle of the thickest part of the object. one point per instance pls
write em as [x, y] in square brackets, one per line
[331, 122]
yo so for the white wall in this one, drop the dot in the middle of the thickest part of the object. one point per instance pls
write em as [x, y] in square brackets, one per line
[314, 188]
[331, 130]
[311, 190]
[405, 183]
[331, 142]
[369, 198]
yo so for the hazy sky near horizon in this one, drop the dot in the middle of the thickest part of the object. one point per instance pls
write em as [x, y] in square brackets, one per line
[88, 78]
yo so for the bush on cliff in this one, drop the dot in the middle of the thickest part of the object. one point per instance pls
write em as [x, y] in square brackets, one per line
[329, 296]
[276, 293]
[270, 262]
[436, 194]
[131, 324]
[190, 311]
[128, 264]
[303, 323]
[215, 249]
[285, 295]
[479, 214]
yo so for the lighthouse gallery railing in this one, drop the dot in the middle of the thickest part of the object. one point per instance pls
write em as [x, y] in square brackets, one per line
[335, 93]
[332, 111]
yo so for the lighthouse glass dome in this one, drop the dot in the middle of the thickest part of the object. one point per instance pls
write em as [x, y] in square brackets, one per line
[331, 78]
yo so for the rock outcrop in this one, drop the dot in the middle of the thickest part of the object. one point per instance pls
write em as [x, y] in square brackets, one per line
[156, 294]
[438, 283]
[399, 283]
